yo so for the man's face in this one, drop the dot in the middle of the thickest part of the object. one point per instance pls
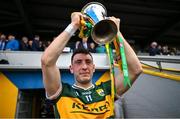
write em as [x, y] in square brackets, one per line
[83, 68]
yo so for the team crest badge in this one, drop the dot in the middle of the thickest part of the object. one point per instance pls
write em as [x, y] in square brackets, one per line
[100, 92]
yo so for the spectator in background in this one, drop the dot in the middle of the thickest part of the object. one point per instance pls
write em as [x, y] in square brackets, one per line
[24, 44]
[30, 43]
[41, 46]
[35, 45]
[159, 50]
[92, 47]
[12, 43]
[3, 41]
[77, 45]
[45, 45]
[48, 43]
[173, 51]
[84, 44]
[153, 49]
[165, 50]
[100, 49]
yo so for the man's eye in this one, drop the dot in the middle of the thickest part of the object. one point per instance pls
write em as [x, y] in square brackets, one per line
[78, 62]
[88, 61]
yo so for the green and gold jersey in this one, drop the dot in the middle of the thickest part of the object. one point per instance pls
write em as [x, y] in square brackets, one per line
[77, 103]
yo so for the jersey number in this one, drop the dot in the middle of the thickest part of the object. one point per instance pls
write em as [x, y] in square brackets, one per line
[89, 98]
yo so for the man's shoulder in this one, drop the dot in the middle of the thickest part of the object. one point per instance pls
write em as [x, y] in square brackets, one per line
[67, 90]
[66, 85]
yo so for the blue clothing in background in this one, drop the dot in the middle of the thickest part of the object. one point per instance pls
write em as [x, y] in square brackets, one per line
[2, 45]
[153, 51]
[12, 45]
[101, 49]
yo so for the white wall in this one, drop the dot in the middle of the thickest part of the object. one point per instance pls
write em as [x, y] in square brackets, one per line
[29, 59]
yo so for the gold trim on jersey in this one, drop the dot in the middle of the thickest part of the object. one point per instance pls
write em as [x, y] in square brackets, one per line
[69, 107]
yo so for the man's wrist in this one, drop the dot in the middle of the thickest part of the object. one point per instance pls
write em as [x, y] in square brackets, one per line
[71, 29]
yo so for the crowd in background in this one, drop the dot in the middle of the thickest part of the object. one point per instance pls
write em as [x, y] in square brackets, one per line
[92, 47]
[9, 42]
[157, 49]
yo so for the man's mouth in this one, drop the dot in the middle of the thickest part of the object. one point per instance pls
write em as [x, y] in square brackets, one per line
[84, 74]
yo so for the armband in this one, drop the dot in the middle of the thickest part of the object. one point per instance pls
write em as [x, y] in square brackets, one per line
[70, 29]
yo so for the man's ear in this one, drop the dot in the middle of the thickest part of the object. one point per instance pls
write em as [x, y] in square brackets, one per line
[70, 68]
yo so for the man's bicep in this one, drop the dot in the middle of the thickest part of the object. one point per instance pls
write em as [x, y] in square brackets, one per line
[51, 80]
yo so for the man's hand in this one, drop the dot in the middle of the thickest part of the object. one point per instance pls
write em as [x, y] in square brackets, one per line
[76, 18]
[116, 21]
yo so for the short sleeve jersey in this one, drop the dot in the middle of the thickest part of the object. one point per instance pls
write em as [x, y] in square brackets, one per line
[77, 103]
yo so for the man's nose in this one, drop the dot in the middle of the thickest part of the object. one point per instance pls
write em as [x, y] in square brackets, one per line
[84, 65]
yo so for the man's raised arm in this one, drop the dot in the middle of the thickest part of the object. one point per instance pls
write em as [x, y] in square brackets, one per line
[134, 65]
[51, 74]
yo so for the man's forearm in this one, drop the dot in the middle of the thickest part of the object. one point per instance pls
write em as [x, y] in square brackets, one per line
[52, 53]
[133, 63]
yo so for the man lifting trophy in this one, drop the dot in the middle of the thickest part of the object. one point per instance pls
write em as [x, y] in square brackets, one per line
[84, 99]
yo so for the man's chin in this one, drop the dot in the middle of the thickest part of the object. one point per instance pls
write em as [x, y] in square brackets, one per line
[85, 80]
[85, 77]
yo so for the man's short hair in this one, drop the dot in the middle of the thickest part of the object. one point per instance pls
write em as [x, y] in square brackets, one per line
[80, 51]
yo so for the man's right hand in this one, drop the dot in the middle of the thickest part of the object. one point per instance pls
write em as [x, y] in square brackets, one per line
[75, 19]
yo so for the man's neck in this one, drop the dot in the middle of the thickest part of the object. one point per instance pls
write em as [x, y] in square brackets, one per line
[84, 86]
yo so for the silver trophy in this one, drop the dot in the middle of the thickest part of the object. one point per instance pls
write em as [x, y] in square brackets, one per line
[104, 30]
